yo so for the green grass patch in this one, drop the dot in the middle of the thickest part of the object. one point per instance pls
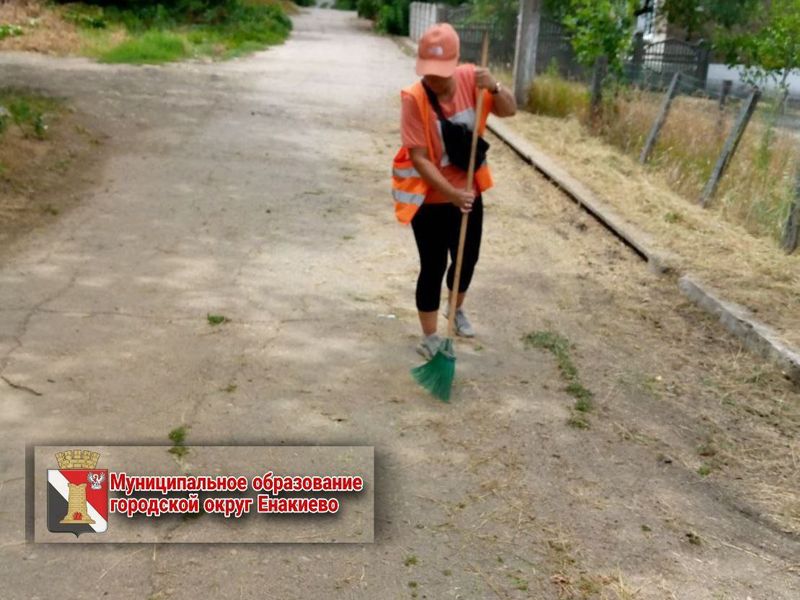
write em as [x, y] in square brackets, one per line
[216, 319]
[554, 96]
[27, 111]
[153, 34]
[152, 47]
[559, 346]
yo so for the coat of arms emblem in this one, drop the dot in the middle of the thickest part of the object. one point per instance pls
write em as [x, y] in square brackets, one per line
[77, 494]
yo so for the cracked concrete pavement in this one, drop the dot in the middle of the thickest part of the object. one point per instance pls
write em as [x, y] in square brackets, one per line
[258, 189]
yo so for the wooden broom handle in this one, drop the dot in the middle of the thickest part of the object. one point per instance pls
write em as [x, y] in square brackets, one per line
[462, 236]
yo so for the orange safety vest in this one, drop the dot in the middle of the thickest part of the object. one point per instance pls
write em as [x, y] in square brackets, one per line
[408, 187]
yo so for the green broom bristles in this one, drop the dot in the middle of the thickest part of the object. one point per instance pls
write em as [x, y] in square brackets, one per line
[438, 373]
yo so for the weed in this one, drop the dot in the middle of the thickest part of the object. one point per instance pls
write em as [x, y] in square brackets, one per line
[178, 435]
[5, 117]
[519, 583]
[216, 319]
[693, 538]
[179, 451]
[9, 30]
[578, 421]
[559, 346]
[704, 470]
[27, 111]
[39, 126]
[673, 217]
[410, 560]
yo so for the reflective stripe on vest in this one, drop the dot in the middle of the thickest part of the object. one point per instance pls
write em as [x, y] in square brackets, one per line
[408, 187]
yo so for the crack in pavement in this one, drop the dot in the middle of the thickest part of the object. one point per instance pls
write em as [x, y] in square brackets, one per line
[22, 329]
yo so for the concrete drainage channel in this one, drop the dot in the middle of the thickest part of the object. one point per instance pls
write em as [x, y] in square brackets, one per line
[756, 336]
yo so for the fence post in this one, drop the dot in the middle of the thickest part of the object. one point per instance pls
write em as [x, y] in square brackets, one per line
[638, 57]
[729, 149]
[791, 229]
[660, 119]
[598, 76]
[727, 85]
[703, 56]
[528, 23]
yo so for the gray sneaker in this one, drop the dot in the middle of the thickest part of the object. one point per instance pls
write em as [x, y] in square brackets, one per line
[428, 346]
[463, 326]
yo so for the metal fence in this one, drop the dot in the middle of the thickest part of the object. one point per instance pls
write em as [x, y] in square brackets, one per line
[502, 39]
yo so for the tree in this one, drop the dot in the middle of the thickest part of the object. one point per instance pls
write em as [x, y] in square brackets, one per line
[771, 49]
[601, 28]
[702, 17]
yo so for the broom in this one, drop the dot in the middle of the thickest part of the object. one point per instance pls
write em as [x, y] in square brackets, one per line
[438, 373]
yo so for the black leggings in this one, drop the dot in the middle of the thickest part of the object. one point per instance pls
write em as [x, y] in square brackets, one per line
[436, 228]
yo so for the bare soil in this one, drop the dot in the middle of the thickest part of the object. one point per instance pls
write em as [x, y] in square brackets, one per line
[42, 178]
[44, 29]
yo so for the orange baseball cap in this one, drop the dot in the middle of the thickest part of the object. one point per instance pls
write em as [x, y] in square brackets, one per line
[438, 51]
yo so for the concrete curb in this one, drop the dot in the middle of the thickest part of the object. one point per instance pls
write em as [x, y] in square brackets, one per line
[757, 337]
[659, 260]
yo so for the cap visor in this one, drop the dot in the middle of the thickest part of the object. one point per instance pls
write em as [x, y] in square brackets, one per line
[440, 68]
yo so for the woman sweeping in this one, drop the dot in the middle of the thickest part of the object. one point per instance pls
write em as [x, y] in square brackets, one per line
[430, 185]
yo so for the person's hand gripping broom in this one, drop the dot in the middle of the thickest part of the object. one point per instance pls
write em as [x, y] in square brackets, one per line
[438, 373]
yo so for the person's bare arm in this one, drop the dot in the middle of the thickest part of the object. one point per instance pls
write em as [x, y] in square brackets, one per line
[504, 103]
[433, 177]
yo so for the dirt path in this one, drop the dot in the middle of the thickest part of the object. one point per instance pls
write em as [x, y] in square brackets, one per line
[257, 189]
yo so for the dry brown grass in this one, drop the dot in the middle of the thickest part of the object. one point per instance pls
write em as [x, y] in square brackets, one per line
[44, 30]
[557, 97]
[747, 269]
[759, 183]
[757, 189]
[40, 176]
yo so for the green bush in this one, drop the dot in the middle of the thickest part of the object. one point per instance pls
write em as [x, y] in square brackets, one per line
[368, 9]
[8, 30]
[344, 4]
[177, 29]
[393, 17]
